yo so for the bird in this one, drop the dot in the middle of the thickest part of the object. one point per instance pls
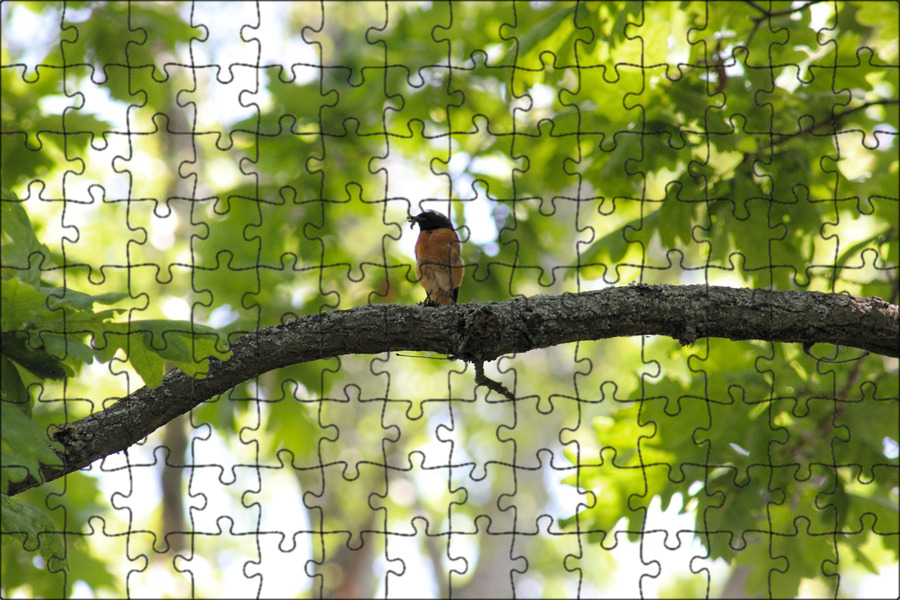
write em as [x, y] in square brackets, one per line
[439, 267]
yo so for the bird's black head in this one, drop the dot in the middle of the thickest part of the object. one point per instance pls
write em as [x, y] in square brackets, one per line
[430, 220]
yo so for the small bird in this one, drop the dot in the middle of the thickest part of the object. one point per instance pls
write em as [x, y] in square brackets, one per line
[438, 264]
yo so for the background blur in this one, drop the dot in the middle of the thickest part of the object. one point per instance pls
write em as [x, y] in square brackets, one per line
[240, 164]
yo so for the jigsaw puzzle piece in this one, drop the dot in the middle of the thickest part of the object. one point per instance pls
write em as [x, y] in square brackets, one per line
[133, 531]
[464, 39]
[229, 44]
[360, 410]
[341, 68]
[285, 534]
[485, 554]
[232, 577]
[416, 81]
[420, 543]
[137, 488]
[538, 494]
[349, 528]
[873, 407]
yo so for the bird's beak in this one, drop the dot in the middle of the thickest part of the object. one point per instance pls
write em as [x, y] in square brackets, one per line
[412, 222]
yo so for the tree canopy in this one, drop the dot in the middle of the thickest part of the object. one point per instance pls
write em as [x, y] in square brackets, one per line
[649, 196]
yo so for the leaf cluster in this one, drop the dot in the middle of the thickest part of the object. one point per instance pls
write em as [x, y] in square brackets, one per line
[44, 333]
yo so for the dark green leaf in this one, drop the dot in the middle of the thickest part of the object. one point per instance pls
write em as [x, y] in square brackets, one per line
[21, 520]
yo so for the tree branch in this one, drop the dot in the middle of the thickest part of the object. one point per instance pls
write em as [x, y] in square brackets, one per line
[817, 125]
[778, 13]
[478, 332]
[482, 379]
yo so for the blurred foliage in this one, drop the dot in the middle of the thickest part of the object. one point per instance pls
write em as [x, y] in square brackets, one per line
[200, 172]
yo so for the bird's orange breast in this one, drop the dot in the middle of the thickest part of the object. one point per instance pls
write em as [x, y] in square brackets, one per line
[437, 247]
[438, 264]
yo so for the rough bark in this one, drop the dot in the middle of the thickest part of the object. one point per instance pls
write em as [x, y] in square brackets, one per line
[479, 332]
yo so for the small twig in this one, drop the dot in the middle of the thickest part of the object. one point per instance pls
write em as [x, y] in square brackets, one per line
[425, 357]
[821, 432]
[834, 120]
[819, 125]
[756, 6]
[482, 379]
[808, 347]
[779, 13]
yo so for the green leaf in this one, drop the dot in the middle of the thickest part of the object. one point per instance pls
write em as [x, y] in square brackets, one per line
[23, 306]
[858, 247]
[613, 246]
[69, 297]
[538, 33]
[186, 344]
[864, 560]
[20, 519]
[17, 253]
[149, 344]
[24, 446]
[146, 361]
[12, 390]
[68, 347]
[14, 345]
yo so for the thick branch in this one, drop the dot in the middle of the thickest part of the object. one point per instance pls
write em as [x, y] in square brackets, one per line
[480, 332]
